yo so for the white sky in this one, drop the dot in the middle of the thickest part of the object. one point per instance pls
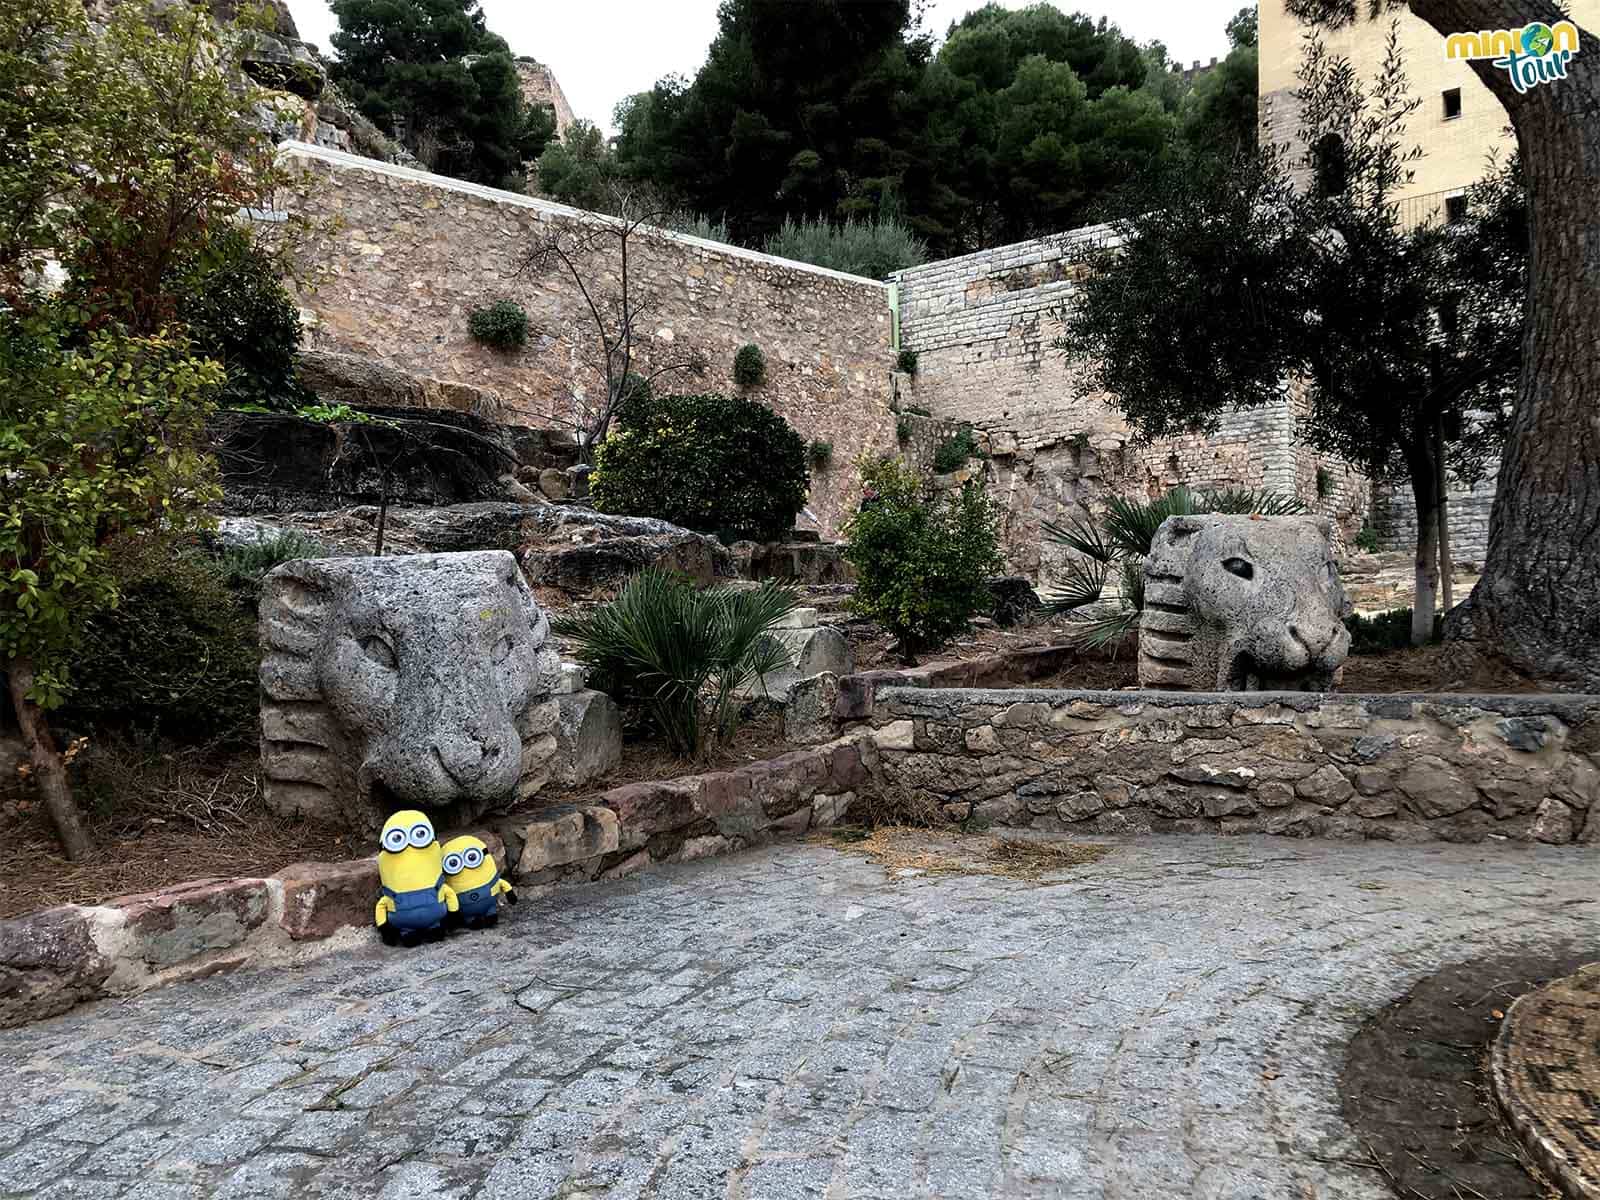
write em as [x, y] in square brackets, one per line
[603, 50]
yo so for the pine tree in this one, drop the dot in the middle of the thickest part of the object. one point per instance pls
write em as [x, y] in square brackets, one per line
[430, 73]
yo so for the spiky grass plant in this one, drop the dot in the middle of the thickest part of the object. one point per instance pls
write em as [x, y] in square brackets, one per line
[682, 653]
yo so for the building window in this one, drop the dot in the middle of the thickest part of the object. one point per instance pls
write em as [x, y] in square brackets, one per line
[1455, 209]
[1452, 104]
[1328, 162]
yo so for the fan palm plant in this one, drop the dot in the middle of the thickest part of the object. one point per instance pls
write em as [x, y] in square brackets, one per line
[1120, 541]
[681, 653]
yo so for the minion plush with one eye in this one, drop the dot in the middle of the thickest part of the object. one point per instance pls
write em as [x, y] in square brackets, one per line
[476, 881]
[416, 899]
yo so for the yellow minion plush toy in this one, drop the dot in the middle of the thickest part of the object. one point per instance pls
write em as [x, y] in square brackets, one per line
[416, 899]
[476, 881]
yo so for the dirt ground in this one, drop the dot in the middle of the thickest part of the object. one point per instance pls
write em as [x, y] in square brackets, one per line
[1416, 1092]
[1427, 669]
[156, 820]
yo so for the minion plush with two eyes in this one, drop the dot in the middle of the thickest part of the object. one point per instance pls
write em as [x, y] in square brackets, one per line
[476, 881]
[416, 899]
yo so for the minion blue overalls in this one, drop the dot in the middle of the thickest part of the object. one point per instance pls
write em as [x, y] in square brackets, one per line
[418, 911]
[480, 901]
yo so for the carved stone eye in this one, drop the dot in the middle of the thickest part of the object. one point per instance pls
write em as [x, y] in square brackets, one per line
[1238, 566]
[379, 651]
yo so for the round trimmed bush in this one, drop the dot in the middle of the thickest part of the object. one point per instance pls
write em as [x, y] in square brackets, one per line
[713, 463]
[501, 326]
[749, 366]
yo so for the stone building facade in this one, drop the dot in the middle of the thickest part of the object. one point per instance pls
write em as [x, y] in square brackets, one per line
[982, 327]
[1459, 125]
[397, 259]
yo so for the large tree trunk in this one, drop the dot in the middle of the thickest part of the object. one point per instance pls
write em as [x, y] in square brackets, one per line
[1538, 603]
[49, 768]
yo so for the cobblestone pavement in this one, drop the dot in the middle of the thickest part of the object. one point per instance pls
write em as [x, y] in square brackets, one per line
[791, 1022]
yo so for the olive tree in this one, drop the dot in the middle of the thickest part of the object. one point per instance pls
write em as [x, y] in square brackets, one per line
[1228, 281]
[1535, 603]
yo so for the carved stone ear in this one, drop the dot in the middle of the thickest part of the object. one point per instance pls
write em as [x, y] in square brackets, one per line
[1175, 529]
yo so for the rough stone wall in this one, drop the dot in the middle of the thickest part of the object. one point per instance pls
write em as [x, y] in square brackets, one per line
[1402, 768]
[982, 327]
[538, 85]
[400, 258]
[1394, 517]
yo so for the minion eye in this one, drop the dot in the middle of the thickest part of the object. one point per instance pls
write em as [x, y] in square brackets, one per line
[395, 840]
[474, 857]
[421, 834]
[452, 864]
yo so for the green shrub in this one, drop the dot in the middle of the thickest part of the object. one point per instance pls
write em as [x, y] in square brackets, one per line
[873, 248]
[238, 312]
[749, 366]
[1389, 630]
[244, 567]
[902, 429]
[714, 463]
[176, 658]
[681, 653]
[954, 451]
[821, 454]
[906, 360]
[1367, 537]
[501, 325]
[682, 220]
[922, 561]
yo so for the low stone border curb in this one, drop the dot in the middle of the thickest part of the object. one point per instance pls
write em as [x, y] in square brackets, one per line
[639, 825]
[53, 960]
[1545, 1069]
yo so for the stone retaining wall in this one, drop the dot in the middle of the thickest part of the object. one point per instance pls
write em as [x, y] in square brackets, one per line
[1401, 767]
[399, 258]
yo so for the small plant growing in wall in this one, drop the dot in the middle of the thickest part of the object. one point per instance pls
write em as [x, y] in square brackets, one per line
[749, 366]
[1367, 537]
[954, 451]
[820, 454]
[902, 430]
[906, 361]
[502, 325]
[1324, 483]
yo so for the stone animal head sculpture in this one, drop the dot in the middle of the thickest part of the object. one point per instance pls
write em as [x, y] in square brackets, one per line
[410, 682]
[1242, 604]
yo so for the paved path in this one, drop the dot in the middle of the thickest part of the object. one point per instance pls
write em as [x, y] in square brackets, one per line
[1168, 1022]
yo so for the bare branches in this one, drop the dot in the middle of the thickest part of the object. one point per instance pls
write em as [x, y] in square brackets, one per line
[595, 255]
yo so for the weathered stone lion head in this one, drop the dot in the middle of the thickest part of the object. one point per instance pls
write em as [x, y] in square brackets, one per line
[1242, 604]
[417, 681]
